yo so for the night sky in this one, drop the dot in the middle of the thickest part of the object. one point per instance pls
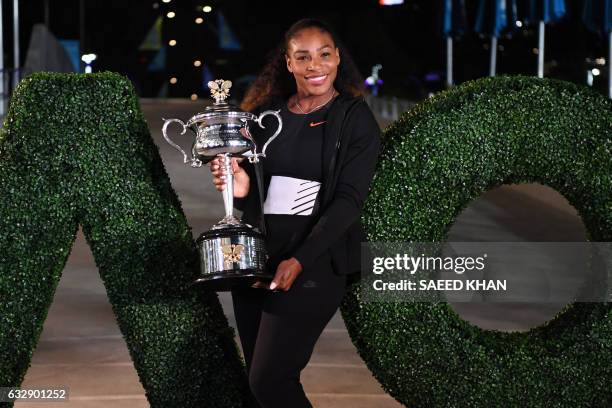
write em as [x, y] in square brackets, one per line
[405, 39]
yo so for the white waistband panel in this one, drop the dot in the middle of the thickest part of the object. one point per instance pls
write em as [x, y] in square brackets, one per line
[289, 195]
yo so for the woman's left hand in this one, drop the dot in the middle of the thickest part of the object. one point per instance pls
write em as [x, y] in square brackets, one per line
[287, 271]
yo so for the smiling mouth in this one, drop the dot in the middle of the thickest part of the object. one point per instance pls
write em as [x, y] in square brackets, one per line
[316, 78]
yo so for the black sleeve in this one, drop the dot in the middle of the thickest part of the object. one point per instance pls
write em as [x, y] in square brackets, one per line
[356, 173]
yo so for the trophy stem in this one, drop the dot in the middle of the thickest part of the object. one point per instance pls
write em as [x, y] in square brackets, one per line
[228, 193]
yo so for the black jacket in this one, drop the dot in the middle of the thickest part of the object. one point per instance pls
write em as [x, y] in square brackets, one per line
[351, 147]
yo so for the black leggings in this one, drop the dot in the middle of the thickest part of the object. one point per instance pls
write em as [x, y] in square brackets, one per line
[278, 332]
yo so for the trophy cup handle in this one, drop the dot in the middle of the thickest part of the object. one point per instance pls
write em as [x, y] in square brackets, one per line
[275, 113]
[194, 162]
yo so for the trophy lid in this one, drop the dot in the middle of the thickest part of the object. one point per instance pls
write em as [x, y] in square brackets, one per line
[219, 90]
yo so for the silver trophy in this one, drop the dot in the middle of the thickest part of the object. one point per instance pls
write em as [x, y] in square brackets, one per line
[231, 252]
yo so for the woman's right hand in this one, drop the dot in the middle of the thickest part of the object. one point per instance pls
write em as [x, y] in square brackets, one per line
[241, 178]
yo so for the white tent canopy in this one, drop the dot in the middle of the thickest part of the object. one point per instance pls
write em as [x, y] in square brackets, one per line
[45, 53]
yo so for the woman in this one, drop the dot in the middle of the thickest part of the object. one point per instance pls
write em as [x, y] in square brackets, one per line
[316, 178]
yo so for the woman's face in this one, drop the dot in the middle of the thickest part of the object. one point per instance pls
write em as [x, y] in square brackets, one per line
[312, 58]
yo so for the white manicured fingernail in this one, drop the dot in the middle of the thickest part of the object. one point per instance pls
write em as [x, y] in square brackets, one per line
[272, 285]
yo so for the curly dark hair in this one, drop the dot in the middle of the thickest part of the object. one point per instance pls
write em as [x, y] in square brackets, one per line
[276, 81]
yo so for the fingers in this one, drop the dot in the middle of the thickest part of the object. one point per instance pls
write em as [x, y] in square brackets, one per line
[217, 166]
[259, 285]
[274, 286]
[284, 287]
[216, 163]
[281, 282]
[236, 166]
[286, 273]
[219, 183]
[218, 172]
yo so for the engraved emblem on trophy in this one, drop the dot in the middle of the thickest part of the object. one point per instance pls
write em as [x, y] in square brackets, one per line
[231, 252]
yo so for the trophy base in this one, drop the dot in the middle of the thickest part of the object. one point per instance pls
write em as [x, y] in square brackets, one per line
[226, 281]
[231, 255]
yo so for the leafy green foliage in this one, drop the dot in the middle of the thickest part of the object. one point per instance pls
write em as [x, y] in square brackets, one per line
[439, 157]
[76, 150]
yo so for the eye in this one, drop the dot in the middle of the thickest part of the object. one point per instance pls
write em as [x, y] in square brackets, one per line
[326, 54]
[301, 58]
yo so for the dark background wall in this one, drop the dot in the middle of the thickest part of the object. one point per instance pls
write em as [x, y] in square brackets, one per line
[404, 39]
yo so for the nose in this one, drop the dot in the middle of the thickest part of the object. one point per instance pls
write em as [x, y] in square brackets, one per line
[314, 64]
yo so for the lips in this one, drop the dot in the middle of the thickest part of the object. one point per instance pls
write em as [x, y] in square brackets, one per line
[316, 79]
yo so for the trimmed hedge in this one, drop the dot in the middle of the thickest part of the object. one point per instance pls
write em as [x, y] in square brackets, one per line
[76, 150]
[437, 158]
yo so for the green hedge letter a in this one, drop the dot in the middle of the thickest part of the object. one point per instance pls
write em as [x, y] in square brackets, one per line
[75, 150]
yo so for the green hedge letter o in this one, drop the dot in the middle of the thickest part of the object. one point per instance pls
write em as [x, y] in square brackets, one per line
[436, 159]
